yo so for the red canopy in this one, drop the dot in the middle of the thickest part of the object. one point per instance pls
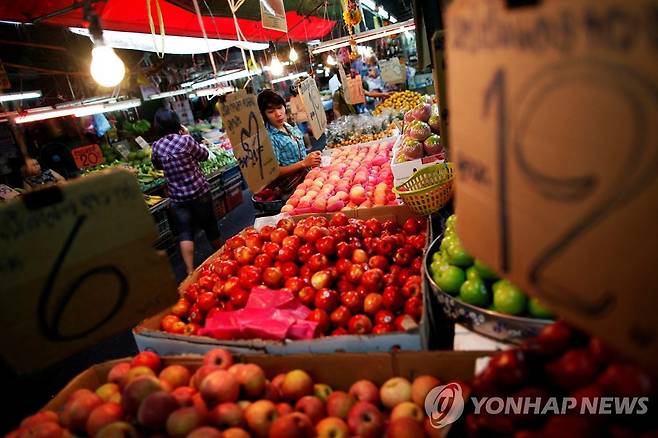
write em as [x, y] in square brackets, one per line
[131, 16]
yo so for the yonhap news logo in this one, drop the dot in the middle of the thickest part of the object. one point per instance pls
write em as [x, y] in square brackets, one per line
[445, 404]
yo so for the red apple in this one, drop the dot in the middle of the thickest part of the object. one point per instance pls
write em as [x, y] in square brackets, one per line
[408, 409]
[321, 317]
[411, 226]
[286, 254]
[315, 233]
[251, 378]
[294, 242]
[286, 224]
[365, 391]
[207, 301]
[284, 409]
[404, 427]
[412, 286]
[245, 255]
[230, 284]
[101, 416]
[332, 427]
[181, 308]
[147, 359]
[339, 404]
[359, 256]
[137, 390]
[354, 274]
[326, 245]
[253, 241]
[373, 280]
[380, 329]
[318, 262]
[289, 269]
[414, 308]
[392, 298]
[360, 325]
[344, 250]
[339, 219]
[249, 276]
[227, 268]
[278, 235]
[340, 331]
[259, 416]
[266, 232]
[626, 380]
[312, 406]
[155, 409]
[306, 296]
[295, 425]
[271, 249]
[300, 230]
[183, 421]
[378, 262]
[305, 252]
[365, 420]
[345, 286]
[205, 432]
[321, 279]
[118, 372]
[403, 257]
[272, 277]
[239, 298]
[352, 301]
[384, 246]
[235, 432]
[263, 261]
[235, 242]
[183, 395]
[340, 317]
[296, 385]
[175, 375]
[220, 386]
[326, 299]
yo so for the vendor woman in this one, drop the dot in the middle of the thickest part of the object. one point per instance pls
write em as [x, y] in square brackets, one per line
[287, 141]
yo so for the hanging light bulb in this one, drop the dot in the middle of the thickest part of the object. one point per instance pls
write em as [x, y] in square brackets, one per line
[293, 56]
[331, 60]
[276, 68]
[106, 67]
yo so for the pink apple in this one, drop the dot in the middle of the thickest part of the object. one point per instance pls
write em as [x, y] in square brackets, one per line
[365, 390]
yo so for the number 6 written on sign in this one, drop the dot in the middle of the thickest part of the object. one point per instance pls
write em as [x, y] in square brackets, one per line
[50, 327]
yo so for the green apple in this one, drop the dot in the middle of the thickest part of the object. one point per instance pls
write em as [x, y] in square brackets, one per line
[473, 274]
[457, 255]
[449, 279]
[437, 256]
[508, 298]
[537, 309]
[451, 222]
[438, 265]
[474, 291]
[448, 239]
[485, 272]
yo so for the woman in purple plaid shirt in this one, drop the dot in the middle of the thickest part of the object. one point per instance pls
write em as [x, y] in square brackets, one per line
[178, 155]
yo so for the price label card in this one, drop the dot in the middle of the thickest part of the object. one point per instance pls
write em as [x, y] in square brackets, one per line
[354, 91]
[123, 148]
[87, 156]
[251, 143]
[392, 72]
[142, 143]
[77, 266]
[312, 101]
[273, 15]
[7, 193]
[557, 188]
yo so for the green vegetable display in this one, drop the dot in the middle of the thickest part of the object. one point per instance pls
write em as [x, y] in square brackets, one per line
[455, 272]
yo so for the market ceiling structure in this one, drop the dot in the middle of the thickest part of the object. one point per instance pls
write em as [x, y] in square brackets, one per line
[179, 19]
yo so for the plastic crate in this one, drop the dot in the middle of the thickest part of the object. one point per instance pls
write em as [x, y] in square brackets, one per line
[160, 214]
[219, 202]
[233, 196]
[230, 174]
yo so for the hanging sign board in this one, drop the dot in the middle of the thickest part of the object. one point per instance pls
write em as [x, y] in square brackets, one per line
[354, 93]
[77, 266]
[87, 156]
[312, 102]
[557, 187]
[273, 15]
[392, 72]
[248, 135]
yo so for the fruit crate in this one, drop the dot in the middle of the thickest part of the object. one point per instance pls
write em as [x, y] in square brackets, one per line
[230, 174]
[405, 170]
[160, 213]
[233, 195]
[149, 336]
[218, 201]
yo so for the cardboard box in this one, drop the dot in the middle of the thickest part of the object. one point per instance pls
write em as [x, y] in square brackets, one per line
[404, 171]
[553, 109]
[377, 367]
[148, 335]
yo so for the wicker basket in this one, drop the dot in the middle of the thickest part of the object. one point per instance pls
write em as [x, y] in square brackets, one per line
[428, 190]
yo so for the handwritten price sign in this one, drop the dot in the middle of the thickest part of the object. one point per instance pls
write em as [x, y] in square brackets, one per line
[87, 156]
[77, 266]
[251, 144]
[557, 187]
[313, 105]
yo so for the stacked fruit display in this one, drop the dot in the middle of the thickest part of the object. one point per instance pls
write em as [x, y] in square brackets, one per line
[360, 138]
[358, 177]
[232, 400]
[454, 271]
[401, 100]
[361, 128]
[421, 134]
[357, 276]
[584, 375]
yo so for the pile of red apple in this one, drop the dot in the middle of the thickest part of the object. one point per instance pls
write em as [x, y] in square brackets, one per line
[357, 276]
[358, 177]
[223, 399]
[563, 362]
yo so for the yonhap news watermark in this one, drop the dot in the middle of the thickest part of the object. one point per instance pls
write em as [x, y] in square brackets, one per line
[445, 404]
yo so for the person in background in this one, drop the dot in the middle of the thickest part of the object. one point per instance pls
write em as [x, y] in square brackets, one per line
[178, 155]
[34, 176]
[287, 141]
[299, 114]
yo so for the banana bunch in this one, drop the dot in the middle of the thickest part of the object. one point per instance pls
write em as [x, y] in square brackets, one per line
[152, 200]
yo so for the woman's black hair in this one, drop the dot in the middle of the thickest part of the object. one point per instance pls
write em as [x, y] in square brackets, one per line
[269, 99]
[166, 122]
